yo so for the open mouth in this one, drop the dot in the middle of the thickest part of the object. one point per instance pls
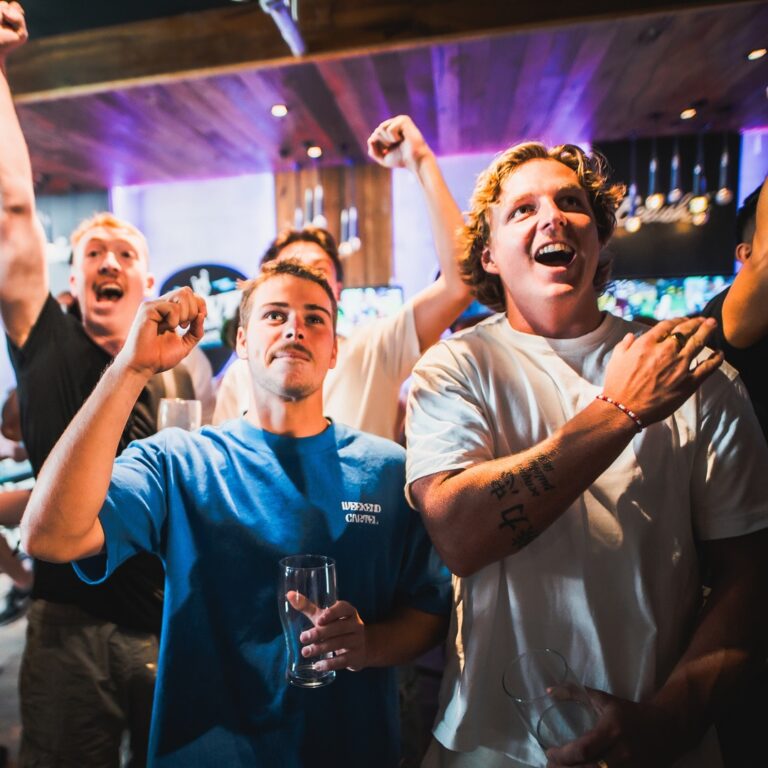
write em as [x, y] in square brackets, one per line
[108, 292]
[555, 255]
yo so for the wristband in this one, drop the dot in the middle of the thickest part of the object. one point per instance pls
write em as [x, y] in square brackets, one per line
[623, 408]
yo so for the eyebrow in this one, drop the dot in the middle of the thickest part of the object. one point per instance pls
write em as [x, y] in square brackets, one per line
[569, 188]
[128, 245]
[286, 305]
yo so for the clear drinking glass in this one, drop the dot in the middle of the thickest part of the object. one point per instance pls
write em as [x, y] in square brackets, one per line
[314, 578]
[548, 696]
[176, 412]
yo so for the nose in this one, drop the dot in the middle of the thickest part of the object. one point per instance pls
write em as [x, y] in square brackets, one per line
[551, 215]
[294, 328]
[109, 263]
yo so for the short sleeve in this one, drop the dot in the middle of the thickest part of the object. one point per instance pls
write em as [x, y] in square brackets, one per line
[393, 343]
[447, 428]
[134, 511]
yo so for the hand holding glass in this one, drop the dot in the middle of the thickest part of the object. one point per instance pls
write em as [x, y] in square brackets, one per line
[551, 701]
[310, 581]
[175, 412]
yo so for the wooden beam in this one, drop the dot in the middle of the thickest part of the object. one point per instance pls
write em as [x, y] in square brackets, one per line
[241, 37]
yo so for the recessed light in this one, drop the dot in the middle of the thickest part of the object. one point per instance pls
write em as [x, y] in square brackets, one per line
[314, 152]
[687, 114]
[279, 110]
[758, 53]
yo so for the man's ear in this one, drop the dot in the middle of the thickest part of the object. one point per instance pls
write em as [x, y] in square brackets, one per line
[149, 284]
[743, 252]
[489, 265]
[335, 352]
[240, 348]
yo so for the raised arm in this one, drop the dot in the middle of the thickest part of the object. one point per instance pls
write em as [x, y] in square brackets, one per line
[61, 521]
[745, 320]
[398, 143]
[495, 508]
[23, 270]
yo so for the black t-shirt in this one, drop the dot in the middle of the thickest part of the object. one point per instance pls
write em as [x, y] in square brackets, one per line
[56, 370]
[750, 362]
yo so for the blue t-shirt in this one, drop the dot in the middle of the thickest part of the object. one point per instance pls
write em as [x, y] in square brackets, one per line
[221, 507]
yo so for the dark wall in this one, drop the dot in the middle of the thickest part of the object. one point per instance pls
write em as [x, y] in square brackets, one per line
[668, 243]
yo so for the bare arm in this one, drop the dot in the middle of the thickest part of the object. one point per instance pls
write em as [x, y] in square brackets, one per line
[12, 506]
[745, 320]
[494, 509]
[23, 270]
[397, 142]
[728, 643]
[61, 521]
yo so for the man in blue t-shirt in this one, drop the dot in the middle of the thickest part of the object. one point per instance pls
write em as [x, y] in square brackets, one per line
[221, 506]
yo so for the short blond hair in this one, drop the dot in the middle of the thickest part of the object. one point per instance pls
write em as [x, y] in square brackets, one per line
[292, 268]
[106, 220]
[592, 173]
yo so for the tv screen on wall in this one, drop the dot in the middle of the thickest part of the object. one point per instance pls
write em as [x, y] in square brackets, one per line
[360, 306]
[662, 298]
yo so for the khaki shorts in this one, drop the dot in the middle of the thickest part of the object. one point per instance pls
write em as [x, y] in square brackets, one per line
[83, 683]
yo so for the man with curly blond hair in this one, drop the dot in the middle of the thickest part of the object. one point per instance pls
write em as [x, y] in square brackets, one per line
[572, 469]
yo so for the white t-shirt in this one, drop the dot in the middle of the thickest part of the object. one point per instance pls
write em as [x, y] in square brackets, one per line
[362, 390]
[201, 372]
[613, 584]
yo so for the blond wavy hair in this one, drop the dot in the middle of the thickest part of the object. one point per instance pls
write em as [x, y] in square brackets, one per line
[592, 172]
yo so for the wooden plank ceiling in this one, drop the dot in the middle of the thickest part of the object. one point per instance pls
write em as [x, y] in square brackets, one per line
[97, 113]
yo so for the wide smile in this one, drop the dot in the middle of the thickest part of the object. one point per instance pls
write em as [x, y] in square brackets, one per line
[558, 254]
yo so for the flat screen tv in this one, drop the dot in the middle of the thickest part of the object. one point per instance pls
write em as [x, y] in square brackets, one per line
[662, 298]
[360, 306]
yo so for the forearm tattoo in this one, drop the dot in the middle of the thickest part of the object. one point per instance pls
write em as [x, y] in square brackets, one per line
[534, 477]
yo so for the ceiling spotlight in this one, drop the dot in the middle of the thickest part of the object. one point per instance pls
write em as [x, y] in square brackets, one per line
[688, 114]
[285, 18]
[758, 53]
[279, 110]
[632, 224]
[654, 202]
[314, 151]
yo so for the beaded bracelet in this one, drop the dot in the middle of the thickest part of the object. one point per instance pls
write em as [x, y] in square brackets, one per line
[623, 408]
